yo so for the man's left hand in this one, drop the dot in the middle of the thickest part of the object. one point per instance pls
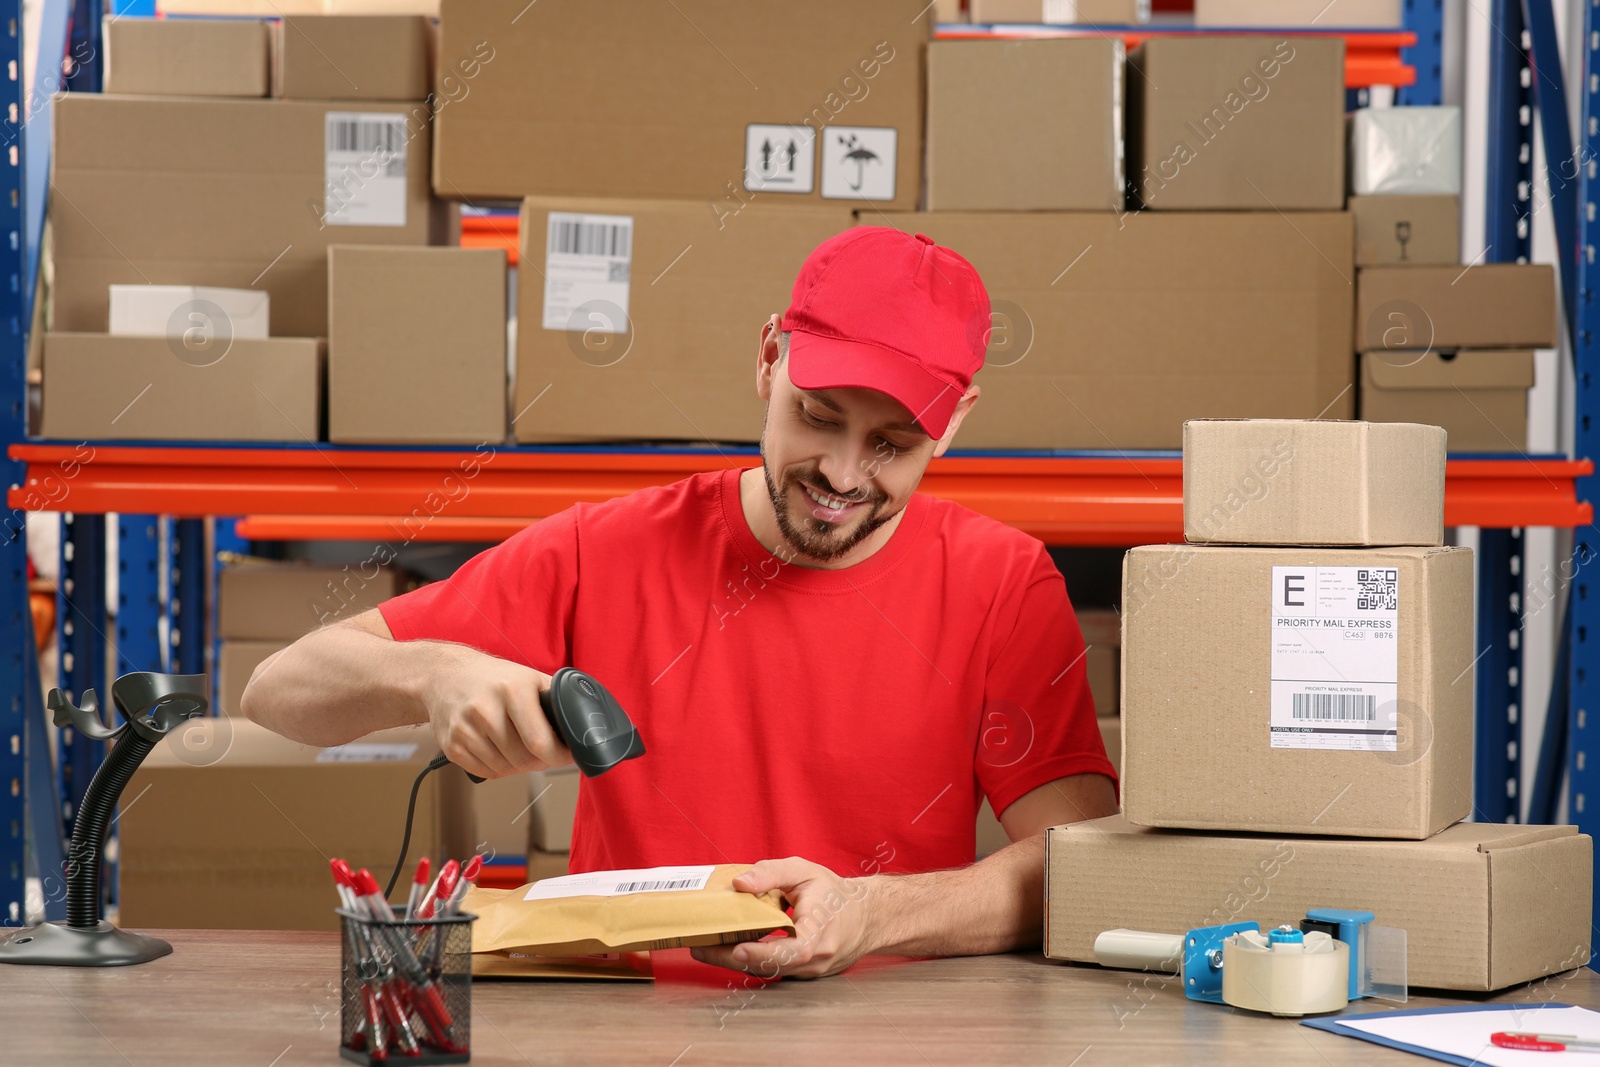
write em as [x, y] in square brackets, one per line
[831, 921]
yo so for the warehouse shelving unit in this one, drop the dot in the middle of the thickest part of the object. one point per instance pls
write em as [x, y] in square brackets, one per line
[392, 495]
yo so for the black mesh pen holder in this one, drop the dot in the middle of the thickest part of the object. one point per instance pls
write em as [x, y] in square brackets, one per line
[406, 989]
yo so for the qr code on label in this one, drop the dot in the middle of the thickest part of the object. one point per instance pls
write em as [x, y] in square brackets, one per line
[1378, 589]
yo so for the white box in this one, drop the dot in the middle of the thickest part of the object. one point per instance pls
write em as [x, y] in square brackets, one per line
[1405, 150]
[174, 310]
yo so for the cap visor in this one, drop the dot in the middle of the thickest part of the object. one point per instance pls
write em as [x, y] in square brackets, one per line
[832, 363]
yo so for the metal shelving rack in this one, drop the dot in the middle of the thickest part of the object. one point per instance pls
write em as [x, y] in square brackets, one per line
[333, 491]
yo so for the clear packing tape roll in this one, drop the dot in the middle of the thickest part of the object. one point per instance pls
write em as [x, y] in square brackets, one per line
[1295, 978]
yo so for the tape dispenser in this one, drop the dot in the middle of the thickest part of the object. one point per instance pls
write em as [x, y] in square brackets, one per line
[1335, 956]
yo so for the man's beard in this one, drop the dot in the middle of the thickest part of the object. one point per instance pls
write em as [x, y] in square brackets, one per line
[816, 538]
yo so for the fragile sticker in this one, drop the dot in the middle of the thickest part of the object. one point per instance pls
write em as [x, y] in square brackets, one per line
[1335, 658]
[779, 159]
[368, 752]
[858, 162]
[366, 169]
[588, 261]
[621, 883]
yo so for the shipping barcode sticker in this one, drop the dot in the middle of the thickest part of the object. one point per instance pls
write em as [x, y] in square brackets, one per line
[368, 752]
[588, 262]
[620, 883]
[1335, 658]
[365, 156]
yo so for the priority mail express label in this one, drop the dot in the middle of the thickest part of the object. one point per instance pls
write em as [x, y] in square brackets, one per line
[1335, 657]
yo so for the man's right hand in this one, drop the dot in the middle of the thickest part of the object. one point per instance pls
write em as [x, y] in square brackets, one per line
[486, 715]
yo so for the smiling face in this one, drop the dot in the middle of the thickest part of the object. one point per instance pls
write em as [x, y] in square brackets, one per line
[840, 465]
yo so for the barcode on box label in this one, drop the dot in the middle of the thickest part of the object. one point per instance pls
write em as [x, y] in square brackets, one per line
[368, 752]
[366, 169]
[617, 883]
[658, 885]
[1335, 707]
[577, 237]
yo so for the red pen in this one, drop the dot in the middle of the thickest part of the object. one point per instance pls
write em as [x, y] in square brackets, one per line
[419, 885]
[374, 999]
[1528, 1042]
[440, 888]
[430, 1005]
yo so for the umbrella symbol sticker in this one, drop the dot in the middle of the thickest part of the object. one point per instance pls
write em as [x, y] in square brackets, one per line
[862, 155]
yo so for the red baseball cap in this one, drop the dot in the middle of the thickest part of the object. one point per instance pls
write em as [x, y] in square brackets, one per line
[878, 308]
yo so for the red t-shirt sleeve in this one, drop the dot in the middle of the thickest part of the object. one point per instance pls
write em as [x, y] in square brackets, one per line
[514, 601]
[1038, 717]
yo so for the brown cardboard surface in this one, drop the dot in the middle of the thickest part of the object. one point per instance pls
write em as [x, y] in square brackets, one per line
[284, 601]
[1313, 482]
[186, 57]
[1480, 396]
[700, 292]
[502, 807]
[236, 662]
[1312, 14]
[245, 210]
[1487, 305]
[98, 387]
[1250, 321]
[661, 109]
[1249, 122]
[229, 826]
[555, 805]
[416, 345]
[1101, 12]
[1406, 229]
[1029, 125]
[352, 57]
[1102, 634]
[1484, 905]
[992, 837]
[1196, 698]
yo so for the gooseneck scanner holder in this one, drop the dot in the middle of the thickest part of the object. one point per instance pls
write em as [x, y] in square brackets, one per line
[153, 705]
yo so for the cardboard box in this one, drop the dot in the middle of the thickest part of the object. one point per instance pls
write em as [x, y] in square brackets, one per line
[1253, 123]
[259, 198]
[236, 662]
[352, 57]
[185, 57]
[992, 837]
[503, 807]
[1484, 905]
[233, 825]
[948, 11]
[178, 310]
[284, 601]
[1313, 482]
[241, 8]
[677, 101]
[1480, 396]
[1406, 229]
[1297, 690]
[1252, 322]
[1102, 633]
[543, 864]
[416, 345]
[692, 295]
[1062, 12]
[555, 806]
[1405, 150]
[100, 388]
[1030, 125]
[1489, 305]
[1312, 14]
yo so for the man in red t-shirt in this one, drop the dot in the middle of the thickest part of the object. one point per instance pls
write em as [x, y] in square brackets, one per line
[823, 663]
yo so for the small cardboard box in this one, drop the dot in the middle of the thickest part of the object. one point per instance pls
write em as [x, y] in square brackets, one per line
[1311, 14]
[1488, 305]
[284, 601]
[186, 57]
[1313, 482]
[718, 101]
[555, 806]
[351, 57]
[1484, 905]
[265, 186]
[99, 388]
[1297, 690]
[416, 345]
[236, 662]
[1406, 150]
[503, 807]
[1102, 633]
[228, 826]
[1062, 12]
[1253, 323]
[1418, 230]
[992, 837]
[1058, 103]
[666, 347]
[1479, 396]
[178, 310]
[1249, 122]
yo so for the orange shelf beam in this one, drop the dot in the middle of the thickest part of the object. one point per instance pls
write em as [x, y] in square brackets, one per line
[485, 496]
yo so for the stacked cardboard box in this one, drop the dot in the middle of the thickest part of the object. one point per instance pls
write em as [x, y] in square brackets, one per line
[1298, 684]
[1438, 341]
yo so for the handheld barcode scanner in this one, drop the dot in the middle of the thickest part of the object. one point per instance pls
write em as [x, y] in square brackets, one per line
[587, 719]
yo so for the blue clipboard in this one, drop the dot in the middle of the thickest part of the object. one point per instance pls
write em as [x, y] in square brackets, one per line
[1336, 1025]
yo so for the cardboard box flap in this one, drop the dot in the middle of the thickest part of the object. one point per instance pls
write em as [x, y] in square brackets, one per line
[1466, 369]
[1490, 836]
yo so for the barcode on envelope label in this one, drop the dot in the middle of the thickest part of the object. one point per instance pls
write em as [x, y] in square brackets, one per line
[579, 237]
[657, 885]
[1335, 707]
[380, 137]
[1377, 589]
